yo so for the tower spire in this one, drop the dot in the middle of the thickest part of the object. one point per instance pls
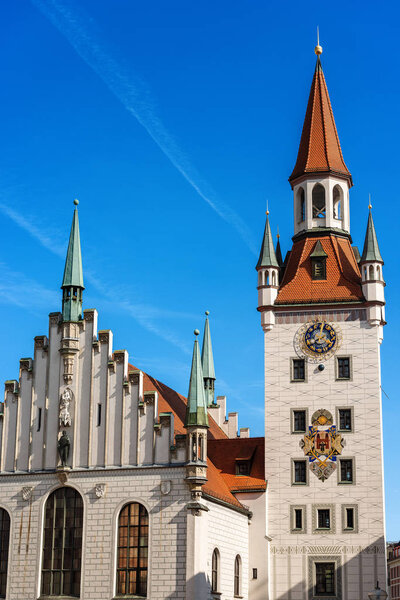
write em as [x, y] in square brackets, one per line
[319, 150]
[72, 284]
[371, 252]
[207, 363]
[267, 256]
[278, 251]
[196, 410]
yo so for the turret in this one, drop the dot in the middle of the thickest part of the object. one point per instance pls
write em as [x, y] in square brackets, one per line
[268, 278]
[72, 284]
[196, 424]
[372, 281]
[207, 363]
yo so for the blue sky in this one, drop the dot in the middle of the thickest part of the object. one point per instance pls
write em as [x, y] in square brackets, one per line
[174, 123]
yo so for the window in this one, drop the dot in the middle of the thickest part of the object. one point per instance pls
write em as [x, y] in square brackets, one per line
[343, 367]
[346, 470]
[4, 544]
[325, 579]
[133, 536]
[337, 204]
[215, 571]
[62, 546]
[324, 518]
[318, 201]
[39, 419]
[298, 369]
[300, 471]
[349, 518]
[298, 518]
[98, 415]
[301, 205]
[299, 421]
[242, 467]
[319, 268]
[237, 585]
[345, 419]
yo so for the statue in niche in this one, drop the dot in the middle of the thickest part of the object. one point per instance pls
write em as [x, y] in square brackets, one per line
[63, 446]
[65, 416]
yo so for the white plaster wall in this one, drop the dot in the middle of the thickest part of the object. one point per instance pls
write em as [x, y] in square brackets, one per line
[228, 531]
[363, 551]
[168, 514]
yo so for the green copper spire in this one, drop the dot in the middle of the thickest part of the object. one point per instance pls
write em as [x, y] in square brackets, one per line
[371, 248]
[278, 251]
[72, 284]
[196, 411]
[207, 363]
[267, 255]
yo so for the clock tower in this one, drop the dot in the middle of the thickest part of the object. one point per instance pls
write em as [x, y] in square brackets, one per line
[322, 314]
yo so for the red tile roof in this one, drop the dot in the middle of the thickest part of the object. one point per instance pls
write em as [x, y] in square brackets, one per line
[319, 150]
[224, 454]
[343, 279]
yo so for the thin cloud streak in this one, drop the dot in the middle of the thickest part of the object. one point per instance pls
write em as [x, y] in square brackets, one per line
[136, 99]
[141, 313]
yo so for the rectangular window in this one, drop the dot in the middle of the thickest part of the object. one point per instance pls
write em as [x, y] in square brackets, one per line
[346, 470]
[298, 369]
[349, 518]
[343, 367]
[345, 419]
[318, 268]
[39, 419]
[300, 474]
[242, 467]
[298, 518]
[325, 579]
[98, 415]
[299, 421]
[324, 518]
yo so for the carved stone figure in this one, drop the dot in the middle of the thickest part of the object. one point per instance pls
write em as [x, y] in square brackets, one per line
[65, 415]
[63, 446]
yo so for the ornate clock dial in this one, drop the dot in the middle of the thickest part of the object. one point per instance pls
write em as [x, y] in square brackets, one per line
[317, 341]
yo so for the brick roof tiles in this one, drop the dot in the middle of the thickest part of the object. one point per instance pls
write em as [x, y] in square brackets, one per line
[319, 150]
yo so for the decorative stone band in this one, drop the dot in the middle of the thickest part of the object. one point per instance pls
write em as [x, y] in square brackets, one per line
[288, 318]
[324, 550]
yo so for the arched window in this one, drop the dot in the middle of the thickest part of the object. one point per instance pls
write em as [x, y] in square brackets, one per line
[62, 546]
[238, 576]
[273, 277]
[301, 202]
[318, 201]
[133, 542]
[260, 281]
[215, 571]
[365, 273]
[337, 202]
[4, 543]
[371, 272]
[378, 273]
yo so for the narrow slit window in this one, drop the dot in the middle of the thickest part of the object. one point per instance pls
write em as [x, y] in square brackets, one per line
[98, 415]
[39, 419]
[298, 518]
[349, 518]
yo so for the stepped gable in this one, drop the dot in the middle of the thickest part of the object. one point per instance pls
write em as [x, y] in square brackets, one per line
[319, 150]
[343, 278]
[225, 453]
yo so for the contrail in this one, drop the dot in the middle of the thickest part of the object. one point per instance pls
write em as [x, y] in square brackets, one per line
[135, 97]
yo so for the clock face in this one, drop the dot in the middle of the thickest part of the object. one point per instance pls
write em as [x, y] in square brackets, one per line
[317, 341]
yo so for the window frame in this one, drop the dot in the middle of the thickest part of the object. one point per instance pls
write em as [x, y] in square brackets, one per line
[351, 409]
[293, 528]
[77, 499]
[215, 589]
[350, 377]
[332, 516]
[322, 261]
[118, 546]
[292, 421]
[237, 577]
[292, 377]
[345, 529]
[293, 471]
[6, 559]
[339, 470]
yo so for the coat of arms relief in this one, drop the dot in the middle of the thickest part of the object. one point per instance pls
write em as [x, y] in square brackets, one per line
[322, 444]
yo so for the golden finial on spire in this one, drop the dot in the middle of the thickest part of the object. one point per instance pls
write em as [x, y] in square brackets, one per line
[267, 211]
[369, 203]
[318, 48]
[277, 232]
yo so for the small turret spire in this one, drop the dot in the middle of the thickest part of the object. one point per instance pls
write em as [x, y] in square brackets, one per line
[267, 256]
[371, 250]
[196, 411]
[207, 362]
[72, 284]
[278, 251]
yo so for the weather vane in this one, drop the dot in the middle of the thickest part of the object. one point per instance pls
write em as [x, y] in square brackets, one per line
[318, 48]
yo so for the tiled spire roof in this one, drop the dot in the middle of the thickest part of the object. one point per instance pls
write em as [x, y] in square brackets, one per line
[371, 248]
[319, 150]
[196, 410]
[267, 256]
[73, 274]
